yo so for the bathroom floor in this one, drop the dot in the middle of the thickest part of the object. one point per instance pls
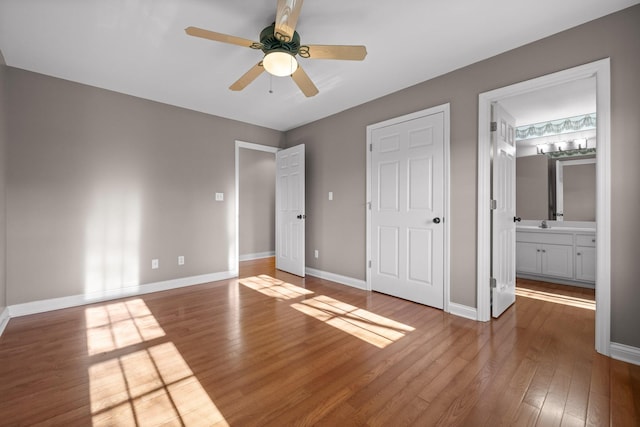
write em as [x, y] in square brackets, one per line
[558, 289]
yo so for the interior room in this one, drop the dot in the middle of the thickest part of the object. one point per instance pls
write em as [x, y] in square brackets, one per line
[158, 177]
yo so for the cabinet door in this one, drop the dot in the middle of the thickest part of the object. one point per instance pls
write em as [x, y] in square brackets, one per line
[528, 257]
[557, 260]
[586, 263]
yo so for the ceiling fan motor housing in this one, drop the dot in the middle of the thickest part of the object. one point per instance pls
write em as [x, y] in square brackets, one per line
[281, 43]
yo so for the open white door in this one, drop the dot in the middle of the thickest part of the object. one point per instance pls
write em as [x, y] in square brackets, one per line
[290, 215]
[503, 291]
[407, 209]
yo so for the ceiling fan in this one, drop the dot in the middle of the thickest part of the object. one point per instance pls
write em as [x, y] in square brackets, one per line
[280, 44]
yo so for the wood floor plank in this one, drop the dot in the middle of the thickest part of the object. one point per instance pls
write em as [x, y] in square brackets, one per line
[273, 349]
[623, 413]
[578, 396]
[526, 416]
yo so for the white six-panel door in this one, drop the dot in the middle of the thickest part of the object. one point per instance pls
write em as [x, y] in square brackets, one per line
[407, 208]
[503, 224]
[290, 210]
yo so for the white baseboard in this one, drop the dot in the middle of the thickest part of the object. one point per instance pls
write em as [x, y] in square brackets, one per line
[4, 319]
[463, 311]
[626, 353]
[258, 255]
[41, 306]
[343, 280]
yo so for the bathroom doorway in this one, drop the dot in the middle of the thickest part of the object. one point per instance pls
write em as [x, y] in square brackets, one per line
[553, 83]
[555, 182]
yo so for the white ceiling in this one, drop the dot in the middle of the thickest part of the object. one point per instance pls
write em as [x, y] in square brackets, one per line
[139, 47]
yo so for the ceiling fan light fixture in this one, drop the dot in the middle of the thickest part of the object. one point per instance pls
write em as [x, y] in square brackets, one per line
[280, 63]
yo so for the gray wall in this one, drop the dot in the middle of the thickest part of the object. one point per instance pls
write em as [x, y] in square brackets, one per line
[532, 187]
[257, 214]
[336, 158]
[579, 194]
[3, 169]
[99, 183]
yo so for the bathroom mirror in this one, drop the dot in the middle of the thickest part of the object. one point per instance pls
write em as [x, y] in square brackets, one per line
[556, 189]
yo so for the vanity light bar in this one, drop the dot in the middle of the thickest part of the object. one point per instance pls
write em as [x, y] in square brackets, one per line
[574, 147]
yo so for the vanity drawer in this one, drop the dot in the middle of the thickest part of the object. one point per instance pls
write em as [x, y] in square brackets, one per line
[551, 238]
[585, 239]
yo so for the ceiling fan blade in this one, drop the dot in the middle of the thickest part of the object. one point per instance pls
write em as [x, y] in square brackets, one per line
[248, 77]
[287, 18]
[316, 51]
[219, 37]
[304, 82]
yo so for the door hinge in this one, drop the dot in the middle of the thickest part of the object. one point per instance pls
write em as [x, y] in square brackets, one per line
[493, 204]
[369, 263]
[494, 126]
[370, 147]
[493, 283]
[369, 205]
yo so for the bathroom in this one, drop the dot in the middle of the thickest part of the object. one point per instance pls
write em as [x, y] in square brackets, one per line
[556, 184]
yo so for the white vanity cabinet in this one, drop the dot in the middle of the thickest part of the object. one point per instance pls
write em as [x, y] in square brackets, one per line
[562, 256]
[586, 257]
[528, 257]
[545, 254]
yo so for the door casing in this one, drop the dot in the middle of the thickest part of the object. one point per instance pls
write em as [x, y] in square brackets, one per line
[601, 71]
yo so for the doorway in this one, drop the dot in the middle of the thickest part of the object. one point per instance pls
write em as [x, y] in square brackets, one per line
[601, 71]
[255, 201]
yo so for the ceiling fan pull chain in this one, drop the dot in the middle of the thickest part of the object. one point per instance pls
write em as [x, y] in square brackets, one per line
[270, 83]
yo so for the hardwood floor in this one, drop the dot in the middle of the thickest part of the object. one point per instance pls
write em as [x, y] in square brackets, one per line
[275, 349]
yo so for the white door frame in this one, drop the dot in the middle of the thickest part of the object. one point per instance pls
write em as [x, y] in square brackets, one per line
[444, 108]
[601, 71]
[234, 263]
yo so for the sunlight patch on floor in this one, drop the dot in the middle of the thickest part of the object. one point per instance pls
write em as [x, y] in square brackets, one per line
[120, 324]
[369, 327]
[274, 288]
[153, 386]
[556, 298]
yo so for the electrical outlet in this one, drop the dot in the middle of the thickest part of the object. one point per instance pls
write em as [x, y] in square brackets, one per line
[155, 263]
[219, 197]
[181, 260]
[316, 254]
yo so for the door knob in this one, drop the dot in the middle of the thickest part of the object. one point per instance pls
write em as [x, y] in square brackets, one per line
[517, 219]
[436, 220]
[301, 216]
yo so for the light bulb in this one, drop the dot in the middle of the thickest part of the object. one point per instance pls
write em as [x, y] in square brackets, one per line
[280, 63]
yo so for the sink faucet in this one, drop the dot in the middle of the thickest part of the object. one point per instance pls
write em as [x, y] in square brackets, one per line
[544, 224]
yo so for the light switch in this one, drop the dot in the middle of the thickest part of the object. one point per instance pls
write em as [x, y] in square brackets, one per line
[330, 195]
[219, 197]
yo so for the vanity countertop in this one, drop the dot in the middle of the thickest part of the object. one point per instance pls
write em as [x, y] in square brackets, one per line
[555, 229]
